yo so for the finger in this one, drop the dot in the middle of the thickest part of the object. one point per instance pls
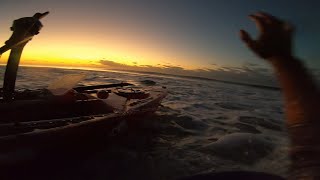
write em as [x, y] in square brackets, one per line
[252, 44]
[260, 22]
[246, 38]
[264, 18]
[269, 18]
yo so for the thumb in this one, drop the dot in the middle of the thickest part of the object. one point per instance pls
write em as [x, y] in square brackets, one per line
[245, 37]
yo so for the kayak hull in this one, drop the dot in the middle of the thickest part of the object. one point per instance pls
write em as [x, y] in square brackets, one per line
[64, 132]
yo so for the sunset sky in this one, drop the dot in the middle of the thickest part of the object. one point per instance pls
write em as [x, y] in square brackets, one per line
[169, 36]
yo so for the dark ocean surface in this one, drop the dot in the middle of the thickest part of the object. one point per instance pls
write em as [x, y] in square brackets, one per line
[203, 126]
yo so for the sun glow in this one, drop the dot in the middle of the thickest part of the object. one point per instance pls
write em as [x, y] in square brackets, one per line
[77, 54]
[78, 49]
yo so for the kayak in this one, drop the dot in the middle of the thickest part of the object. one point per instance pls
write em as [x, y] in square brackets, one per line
[37, 117]
[62, 114]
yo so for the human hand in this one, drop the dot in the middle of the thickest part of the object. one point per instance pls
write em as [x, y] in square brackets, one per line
[274, 40]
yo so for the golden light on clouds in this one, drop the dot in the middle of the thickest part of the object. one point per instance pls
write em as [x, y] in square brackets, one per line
[87, 46]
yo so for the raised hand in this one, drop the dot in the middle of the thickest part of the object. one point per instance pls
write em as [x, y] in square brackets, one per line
[301, 94]
[274, 40]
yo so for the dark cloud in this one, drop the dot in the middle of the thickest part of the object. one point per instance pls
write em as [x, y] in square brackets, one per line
[250, 64]
[247, 73]
[112, 64]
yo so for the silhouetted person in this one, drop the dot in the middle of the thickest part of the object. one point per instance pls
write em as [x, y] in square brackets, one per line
[25, 27]
[23, 31]
[301, 95]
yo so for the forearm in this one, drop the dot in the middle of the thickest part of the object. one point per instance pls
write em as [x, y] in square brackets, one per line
[301, 94]
[302, 103]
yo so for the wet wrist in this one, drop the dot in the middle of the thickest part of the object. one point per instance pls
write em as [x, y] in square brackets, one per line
[287, 62]
[281, 59]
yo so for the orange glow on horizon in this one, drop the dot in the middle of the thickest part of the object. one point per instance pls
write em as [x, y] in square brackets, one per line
[72, 44]
[56, 48]
[39, 53]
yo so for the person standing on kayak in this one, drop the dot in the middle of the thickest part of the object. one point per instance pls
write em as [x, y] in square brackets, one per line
[301, 94]
[23, 31]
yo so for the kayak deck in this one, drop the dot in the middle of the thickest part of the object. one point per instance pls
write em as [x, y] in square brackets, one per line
[28, 118]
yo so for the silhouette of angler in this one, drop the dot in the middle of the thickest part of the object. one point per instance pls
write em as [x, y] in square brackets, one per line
[25, 27]
[23, 31]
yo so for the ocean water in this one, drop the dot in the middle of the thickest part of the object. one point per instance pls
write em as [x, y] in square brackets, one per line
[202, 126]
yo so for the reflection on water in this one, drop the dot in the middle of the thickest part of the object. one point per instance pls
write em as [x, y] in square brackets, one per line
[203, 126]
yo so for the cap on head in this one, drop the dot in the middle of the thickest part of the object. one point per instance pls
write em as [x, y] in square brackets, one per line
[40, 15]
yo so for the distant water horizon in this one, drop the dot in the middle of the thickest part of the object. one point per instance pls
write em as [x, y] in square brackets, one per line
[155, 73]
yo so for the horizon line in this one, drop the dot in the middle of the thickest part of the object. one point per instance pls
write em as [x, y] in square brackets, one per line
[155, 73]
